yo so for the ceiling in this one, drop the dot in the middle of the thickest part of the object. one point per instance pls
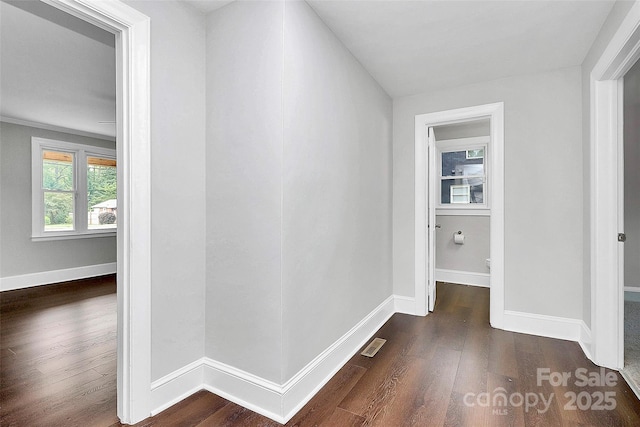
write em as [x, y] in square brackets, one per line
[413, 47]
[60, 71]
[57, 70]
[207, 6]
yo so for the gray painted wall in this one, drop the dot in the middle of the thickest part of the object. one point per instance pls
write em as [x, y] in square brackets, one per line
[543, 227]
[470, 256]
[18, 253]
[298, 189]
[337, 190]
[610, 26]
[177, 184]
[244, 186]
[632, 176]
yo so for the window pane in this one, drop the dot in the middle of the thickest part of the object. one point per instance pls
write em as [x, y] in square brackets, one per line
[57, 171]
[475, 154]
[458, 163]
[462, 191]
[102, 192]
[58, 211]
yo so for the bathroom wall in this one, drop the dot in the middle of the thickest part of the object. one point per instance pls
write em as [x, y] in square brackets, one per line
[470, 256]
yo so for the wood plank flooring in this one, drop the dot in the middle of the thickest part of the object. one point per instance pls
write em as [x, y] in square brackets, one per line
[58, 354]
[57, 345]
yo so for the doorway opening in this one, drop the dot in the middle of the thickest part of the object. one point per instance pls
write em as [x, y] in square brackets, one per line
[606, 346]
[132, 32]
[462, 204]
[427, 192]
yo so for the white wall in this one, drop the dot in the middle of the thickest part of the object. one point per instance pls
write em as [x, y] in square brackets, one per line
[543, 227]
[21, 256]
[470, 256]
[177, 184]
[632, 176]
[336, 224]
[298, 189]
[610, 26]
[244, 186]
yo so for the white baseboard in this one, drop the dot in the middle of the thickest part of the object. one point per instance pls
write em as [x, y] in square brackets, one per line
[309, 380]
[463, 277]
[632, 288]
[55, 276]
[245, 389]
[405, 305]
[280, 402]
[176, 386]
[631, 383]
[546, 326]
[585, 339]
[275, 401]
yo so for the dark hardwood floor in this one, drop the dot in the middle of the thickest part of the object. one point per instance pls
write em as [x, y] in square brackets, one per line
[450, 368]
[58, 354]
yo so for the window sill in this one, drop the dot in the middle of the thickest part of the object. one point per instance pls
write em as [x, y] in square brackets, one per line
[72, 236]
[462, 212]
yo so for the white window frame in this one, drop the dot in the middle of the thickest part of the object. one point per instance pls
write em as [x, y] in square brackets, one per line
[80, 152]
[467, 193]
[464, 144]
[470, 157]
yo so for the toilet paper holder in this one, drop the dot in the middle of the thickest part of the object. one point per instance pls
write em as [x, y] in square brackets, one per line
[458, 238]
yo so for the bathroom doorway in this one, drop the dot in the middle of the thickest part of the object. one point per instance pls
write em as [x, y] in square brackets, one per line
[462, 203]
[429, 195]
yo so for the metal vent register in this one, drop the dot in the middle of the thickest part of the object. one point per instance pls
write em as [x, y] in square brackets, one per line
[373, 347]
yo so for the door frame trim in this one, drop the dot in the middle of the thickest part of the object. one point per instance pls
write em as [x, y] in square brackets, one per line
[607, 292]
[495, 112]
[133, 118]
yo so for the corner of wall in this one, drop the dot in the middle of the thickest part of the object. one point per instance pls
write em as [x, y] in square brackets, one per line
[279, 402]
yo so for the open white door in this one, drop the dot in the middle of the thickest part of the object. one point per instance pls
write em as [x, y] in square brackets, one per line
[431, 218]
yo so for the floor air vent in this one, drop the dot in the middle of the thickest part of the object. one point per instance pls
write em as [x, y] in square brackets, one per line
[373, 347]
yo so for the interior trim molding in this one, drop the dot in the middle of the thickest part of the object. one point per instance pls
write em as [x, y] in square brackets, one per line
[405, 305]
[309, 380]
[55, 128]
[279, 402]
[563, 328]
[585, 339]
[463, 277]
[133, 129]
[23, 281]
[176, 386]
[495, 112]
[630, 288]
[606, 148]
[631, 383]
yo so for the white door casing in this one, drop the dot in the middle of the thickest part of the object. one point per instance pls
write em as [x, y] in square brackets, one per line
[132, 32]
[606, 207]
[431, 218]
[494, 112]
